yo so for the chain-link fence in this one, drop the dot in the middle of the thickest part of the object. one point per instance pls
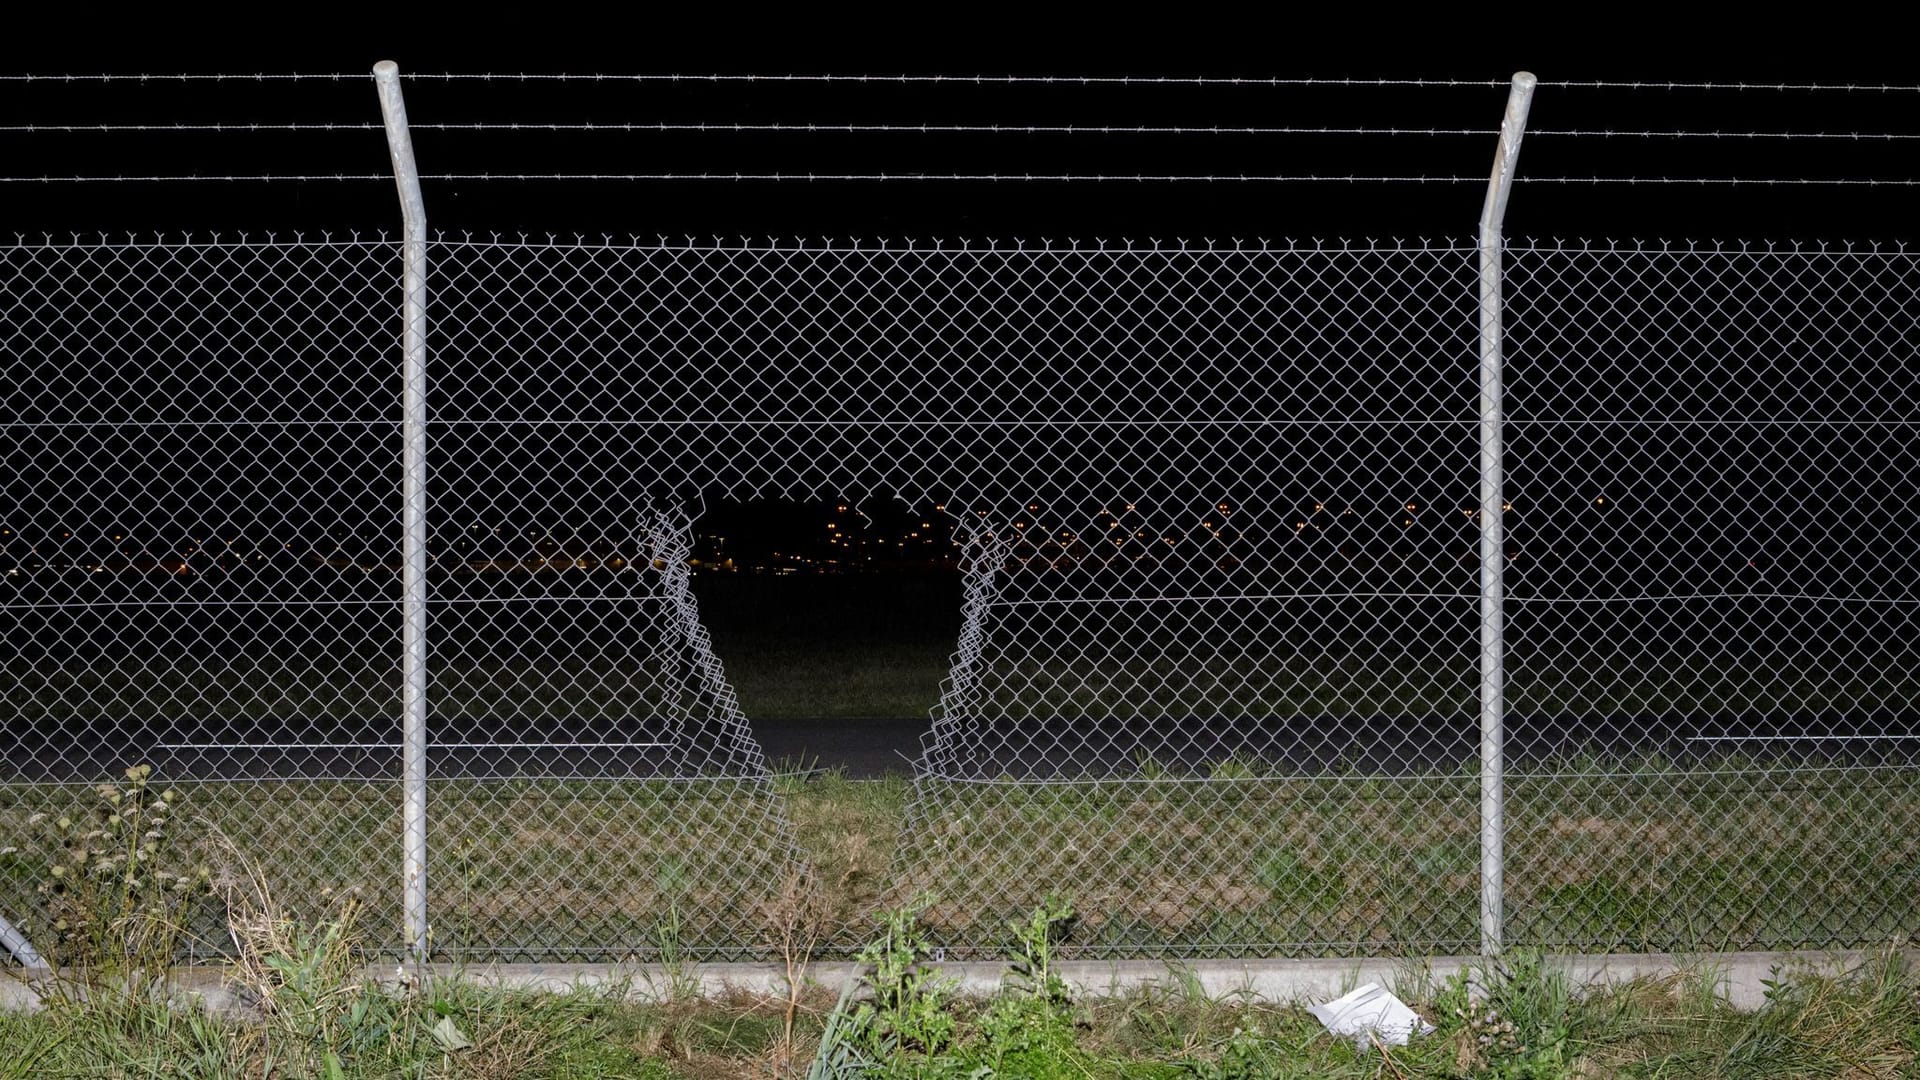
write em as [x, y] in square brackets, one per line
[1219, 676]
[199, 529]
[1711, 595]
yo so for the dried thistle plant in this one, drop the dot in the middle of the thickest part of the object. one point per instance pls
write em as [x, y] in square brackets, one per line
[122, 889]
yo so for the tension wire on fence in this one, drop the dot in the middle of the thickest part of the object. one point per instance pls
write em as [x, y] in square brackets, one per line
[722, 127]
[1011, 178]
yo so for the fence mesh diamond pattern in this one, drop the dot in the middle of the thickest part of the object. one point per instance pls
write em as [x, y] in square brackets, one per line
[199, 521]
[1218, 675]
[1712, 596]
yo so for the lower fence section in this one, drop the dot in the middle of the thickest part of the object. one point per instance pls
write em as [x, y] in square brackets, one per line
[1734, 854]
[1230, 866]
[307, 843]
[608, 871]
[1619, 856]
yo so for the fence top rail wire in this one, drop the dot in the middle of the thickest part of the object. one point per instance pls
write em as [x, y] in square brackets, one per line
[726, 127]
[266, 239]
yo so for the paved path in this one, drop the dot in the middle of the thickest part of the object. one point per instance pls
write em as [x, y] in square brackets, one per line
[864, 748]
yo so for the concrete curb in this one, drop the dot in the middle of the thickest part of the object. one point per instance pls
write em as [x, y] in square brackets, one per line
[1739, 976]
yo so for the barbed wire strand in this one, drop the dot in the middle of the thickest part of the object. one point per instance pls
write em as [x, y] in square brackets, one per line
[184, 76]
[718, 77]
[1621, 84]
[726, 127]
[978, 80]
[1163, 80]
[1211, 178]
[974, 80]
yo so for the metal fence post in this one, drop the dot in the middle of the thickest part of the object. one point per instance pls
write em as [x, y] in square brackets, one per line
[1493, 598]
[413, 569]
[16, 945]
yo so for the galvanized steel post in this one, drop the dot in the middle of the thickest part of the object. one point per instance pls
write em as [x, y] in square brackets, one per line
[1493, 597]
[16, 945]
[413, 564]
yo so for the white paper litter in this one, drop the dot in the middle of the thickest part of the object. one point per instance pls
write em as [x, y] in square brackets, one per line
[1370, 1013]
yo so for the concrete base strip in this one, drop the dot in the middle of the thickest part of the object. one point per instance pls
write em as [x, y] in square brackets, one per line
[1740, 976]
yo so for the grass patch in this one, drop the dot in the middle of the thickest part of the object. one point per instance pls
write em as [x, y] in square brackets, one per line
[297, 959]
[1517, 1021]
